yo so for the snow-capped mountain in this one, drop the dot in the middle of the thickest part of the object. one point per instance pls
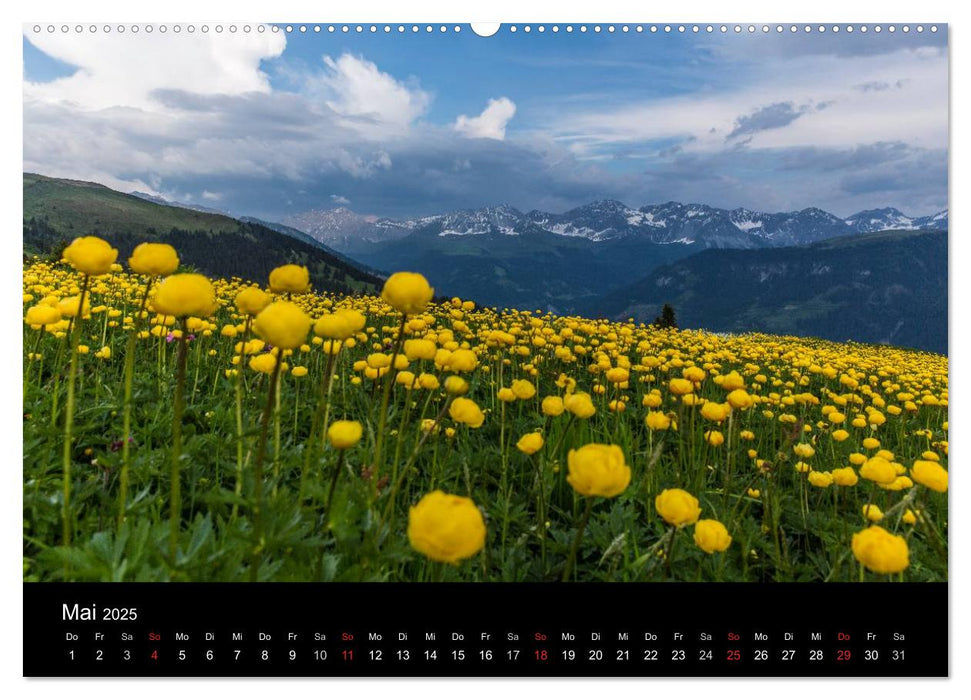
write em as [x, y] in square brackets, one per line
[890, 218]
[671, 223]
[476, 222]
[346, 230]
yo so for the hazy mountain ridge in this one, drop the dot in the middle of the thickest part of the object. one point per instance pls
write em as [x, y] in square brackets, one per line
[886, 287]
[611, 220]
[502, 256]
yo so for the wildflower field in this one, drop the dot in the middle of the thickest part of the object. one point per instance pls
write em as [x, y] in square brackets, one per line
[181, 428]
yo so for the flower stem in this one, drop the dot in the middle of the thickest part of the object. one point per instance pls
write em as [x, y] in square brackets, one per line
[127, 410]
[576, 540]
[258, 471]
[175, 496]
[333, 481]
[240, 369]
[276, 438]
[318, 422]
[670, 552]
[386, 397]
[66, 515]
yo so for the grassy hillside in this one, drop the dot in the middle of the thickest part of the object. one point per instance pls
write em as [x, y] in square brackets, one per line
[57, 211]
[885, 287]
[536, 270]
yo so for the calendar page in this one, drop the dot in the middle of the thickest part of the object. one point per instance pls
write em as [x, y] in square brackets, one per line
[546, 349]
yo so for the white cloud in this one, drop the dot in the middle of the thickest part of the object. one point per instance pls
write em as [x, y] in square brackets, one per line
[369, 101]
[340, 200]
[123, 70]
[915, 113]
[491, 123]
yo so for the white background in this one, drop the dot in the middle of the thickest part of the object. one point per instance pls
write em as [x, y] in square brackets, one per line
[602, 11]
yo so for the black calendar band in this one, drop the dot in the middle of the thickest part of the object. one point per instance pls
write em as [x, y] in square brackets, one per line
[501, 630]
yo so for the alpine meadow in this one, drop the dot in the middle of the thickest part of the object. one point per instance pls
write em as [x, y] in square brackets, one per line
[178, 427]
[570, 303]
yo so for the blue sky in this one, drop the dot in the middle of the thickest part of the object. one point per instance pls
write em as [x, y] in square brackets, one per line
[403, 125]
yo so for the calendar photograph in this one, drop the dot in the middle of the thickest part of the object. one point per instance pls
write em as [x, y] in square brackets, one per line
[530, 304]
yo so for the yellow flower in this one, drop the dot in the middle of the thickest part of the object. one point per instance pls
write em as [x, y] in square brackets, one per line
[523, 389]
[343, 434]
[154, 259]
[405, 379]
[185, 295]
[407, 292]
[579, 404]
[456, 386]
[466, 411]
[872, 512]
[871, 443]
[845, 476]
[428, 381]
[90, 255]
[378, 360]
[714, 438]
[680, 387]
[711, 536]
[910, 516]
[716, 411]
[618, 375]
[820, 479]
[651, 400]
[419, 349]
[263, 363]
[930, 474]
[739, 398]
[754, 493]
[340, 325]
[506, 395]
[42, 315]
[898, 484]
[879, 470]
[731, 381]
[252, 300]
[446, 528]
[803, 450]
[552, 406]
[880, 551]
[598, 470]
[677, 507]
[840, 435]
[694, 374]
[299, 371]
[530, 443]
[283, 325]
[462, 360]
[293, 279]
[656, 420]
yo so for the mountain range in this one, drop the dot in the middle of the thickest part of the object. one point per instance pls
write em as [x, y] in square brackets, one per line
[878, 276]
[611, 220]
[566, 262]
